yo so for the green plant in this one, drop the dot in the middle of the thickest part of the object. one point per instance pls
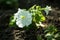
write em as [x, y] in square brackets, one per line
[28, 19]
[51, 33]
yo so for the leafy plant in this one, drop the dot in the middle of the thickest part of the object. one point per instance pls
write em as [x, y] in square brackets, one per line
[29, 18]
[51, 33]
[37, 14]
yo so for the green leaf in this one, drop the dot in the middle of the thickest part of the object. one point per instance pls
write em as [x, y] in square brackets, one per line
[12, 21]
[51, 29]
[39, 37]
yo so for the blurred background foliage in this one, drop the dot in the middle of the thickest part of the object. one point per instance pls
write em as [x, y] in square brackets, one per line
[27, 3]
[50, 33]
[9, 3]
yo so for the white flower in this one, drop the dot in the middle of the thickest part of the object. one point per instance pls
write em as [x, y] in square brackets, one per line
[47, 9]
[23, 18]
